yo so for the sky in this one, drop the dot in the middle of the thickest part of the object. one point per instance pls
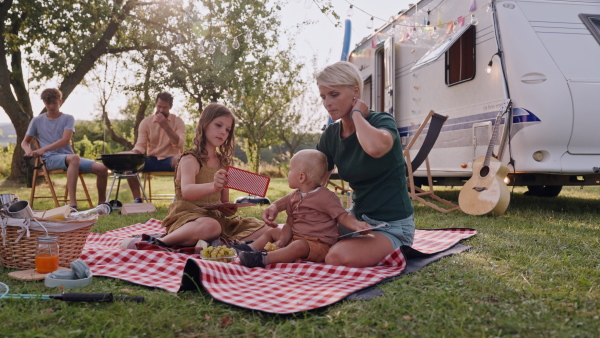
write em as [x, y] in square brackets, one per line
[321, 39]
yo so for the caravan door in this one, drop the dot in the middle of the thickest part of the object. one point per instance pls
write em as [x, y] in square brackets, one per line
[389, 75]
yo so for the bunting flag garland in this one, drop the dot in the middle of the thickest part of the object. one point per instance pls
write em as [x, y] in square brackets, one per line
[418, 29]
[450, 27]
[473, 7]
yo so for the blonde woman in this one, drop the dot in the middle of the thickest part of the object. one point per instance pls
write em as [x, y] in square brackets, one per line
[365, 147]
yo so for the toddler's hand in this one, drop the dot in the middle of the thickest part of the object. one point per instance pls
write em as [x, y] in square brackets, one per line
[366, 227]
[269, 215]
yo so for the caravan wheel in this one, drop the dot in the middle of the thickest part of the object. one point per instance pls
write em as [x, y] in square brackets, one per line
[544, 190]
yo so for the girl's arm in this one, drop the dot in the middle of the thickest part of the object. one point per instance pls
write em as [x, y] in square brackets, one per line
[230, 209]
[375, 142]
[188, 169]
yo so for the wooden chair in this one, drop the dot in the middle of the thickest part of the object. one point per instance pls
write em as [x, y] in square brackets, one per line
[343, 190]
[40, 170]
[148, 181]
[435, 123]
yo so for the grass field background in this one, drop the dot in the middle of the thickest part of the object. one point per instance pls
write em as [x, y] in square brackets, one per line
[534, 271]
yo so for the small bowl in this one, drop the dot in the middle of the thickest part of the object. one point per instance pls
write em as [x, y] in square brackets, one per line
[224, 259]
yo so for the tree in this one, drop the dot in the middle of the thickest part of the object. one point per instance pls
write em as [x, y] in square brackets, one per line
[300, 123]
[217, 39]
[60, 39]
[264, 92]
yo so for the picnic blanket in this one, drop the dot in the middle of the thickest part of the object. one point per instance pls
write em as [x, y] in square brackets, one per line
[281, 288]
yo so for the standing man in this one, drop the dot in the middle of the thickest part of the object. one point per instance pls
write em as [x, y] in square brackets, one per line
[54, 131]
[161, 137]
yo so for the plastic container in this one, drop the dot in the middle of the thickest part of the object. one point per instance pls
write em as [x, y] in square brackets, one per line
[223, 259]
[218, 254]
[46, 257]
[101, 210]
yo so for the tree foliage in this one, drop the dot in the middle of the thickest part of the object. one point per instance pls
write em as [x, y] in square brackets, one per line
[264, 91]
[211, 50]
[59, 39]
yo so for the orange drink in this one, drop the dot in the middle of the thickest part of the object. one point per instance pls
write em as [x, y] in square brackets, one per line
[46, 263]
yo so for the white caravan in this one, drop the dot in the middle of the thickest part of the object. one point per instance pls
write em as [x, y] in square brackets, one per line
[544, 56]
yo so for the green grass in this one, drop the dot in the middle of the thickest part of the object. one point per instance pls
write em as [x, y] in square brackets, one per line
[532, 272]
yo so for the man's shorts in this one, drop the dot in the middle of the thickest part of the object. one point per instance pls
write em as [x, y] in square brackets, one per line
[317, 250]
[154, 164]
[59, 161]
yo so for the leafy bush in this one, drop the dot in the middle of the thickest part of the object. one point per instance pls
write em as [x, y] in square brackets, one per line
[6, 154]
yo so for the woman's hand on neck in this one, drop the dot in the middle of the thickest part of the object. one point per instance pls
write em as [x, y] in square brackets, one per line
[359, 110]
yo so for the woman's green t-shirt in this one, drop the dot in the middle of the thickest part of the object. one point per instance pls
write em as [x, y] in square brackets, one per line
[379, 184]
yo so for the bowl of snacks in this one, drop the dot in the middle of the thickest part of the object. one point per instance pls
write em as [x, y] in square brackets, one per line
[219, 253]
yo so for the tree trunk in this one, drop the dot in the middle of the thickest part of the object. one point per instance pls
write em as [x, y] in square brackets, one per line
[113, 136]
[100, 48]
[253, 156]
[20, 112]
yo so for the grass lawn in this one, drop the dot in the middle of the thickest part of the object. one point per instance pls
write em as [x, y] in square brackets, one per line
[535, 271]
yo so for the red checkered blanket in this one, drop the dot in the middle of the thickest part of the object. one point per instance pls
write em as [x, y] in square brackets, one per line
[278, 288]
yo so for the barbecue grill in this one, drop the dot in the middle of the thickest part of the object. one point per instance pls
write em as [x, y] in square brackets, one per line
[123, 165]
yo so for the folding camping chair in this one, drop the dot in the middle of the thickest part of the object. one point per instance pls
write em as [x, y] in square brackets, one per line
[148, 180]
[40, 170]
[435, 122]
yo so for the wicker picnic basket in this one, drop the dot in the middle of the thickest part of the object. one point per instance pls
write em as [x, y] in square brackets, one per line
[18, 240]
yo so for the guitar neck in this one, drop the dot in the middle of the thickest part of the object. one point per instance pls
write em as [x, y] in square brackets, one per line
[490, 149]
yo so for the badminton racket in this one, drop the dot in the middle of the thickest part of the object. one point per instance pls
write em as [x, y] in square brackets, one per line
[69, 297]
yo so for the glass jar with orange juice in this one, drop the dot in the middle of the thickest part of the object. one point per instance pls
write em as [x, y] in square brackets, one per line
[46, 258]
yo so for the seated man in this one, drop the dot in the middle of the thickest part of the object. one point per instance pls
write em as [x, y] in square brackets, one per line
[54, 131]
[162, 137]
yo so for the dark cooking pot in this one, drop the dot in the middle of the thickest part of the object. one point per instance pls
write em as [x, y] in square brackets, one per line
[123, 162]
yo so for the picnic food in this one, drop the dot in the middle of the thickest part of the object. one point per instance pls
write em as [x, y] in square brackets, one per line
[220, 253]
[270, 246]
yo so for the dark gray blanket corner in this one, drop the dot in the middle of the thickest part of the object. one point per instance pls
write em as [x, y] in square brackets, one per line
[415, 261]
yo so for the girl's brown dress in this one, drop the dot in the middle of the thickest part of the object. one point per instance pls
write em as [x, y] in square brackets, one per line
[182, 211]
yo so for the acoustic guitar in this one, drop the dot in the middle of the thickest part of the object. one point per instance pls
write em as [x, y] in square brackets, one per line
[485, 192]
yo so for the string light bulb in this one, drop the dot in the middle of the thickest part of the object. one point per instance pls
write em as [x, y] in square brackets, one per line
[211, 48]
[488, 69]
[248, 37]
[434, 33]
[370, 23]
[350, 11]
[235, 44]
[224, 47]
[474, 20]
[262, 28]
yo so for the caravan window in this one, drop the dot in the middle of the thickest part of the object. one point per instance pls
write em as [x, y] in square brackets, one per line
[592, 22]
[460, 59]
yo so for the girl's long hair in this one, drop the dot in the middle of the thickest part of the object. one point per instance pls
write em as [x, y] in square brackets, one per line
[224, 151]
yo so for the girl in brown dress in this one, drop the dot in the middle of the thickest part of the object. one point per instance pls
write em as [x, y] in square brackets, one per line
[200, 180]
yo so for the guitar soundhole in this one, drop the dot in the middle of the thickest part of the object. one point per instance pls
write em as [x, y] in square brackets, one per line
[484, 171]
